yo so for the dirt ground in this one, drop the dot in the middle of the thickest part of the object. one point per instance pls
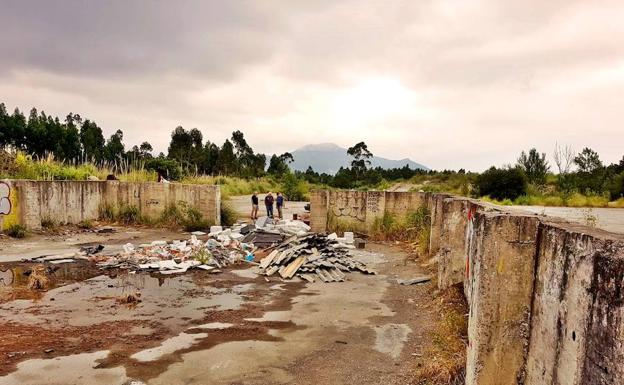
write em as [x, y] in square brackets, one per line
[242, 205]
[229, 328]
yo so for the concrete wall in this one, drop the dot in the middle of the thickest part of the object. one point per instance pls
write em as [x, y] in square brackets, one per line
[30, 202]
[546, 296]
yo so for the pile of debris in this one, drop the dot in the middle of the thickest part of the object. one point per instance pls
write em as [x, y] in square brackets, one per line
[293, 251]
[176, 257]
[311, 257]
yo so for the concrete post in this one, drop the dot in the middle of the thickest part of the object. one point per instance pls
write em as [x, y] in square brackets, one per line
[318, 210]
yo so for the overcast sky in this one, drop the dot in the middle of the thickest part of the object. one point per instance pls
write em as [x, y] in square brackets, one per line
[449, 84]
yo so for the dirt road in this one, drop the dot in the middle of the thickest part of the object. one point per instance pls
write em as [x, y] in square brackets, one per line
[228, 328]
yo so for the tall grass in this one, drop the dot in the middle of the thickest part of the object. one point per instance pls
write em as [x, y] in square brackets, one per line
[414, 227]
[445, 352]
[559, 200]
[22, 166]
[231, 186]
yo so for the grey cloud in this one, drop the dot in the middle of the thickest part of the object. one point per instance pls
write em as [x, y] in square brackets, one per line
[212, 39]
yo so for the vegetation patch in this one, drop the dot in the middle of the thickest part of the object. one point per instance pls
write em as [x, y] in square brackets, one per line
[446, 353]
[49, 224]
[86, 224]
[229, 216]
[16, 231]
[129, 214]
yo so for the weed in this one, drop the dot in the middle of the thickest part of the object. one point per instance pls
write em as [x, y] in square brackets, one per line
[229, 216]
[172, 216]
[85, 224]
[16, 231]
[446, 354]
[48, 223]
[413, 227]
[106, 212]
[129, 214]
[194, 220]
[203, 256]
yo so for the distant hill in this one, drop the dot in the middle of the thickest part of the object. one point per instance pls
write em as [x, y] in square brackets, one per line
[328, 158]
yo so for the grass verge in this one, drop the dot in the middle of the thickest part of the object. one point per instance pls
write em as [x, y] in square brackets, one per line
[446, 353]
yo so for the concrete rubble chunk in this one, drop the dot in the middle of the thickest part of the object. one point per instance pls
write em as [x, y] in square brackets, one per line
[413, 281]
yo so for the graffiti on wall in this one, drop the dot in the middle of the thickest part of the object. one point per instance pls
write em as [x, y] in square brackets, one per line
[372, 201]
[348, 205]
[5, 201]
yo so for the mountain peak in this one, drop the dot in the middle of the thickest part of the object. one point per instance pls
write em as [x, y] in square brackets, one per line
[320, 147]
[329, 157]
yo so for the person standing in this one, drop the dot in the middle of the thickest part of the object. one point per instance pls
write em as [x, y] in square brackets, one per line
[279, 202]
[268, 202]
[254, 206]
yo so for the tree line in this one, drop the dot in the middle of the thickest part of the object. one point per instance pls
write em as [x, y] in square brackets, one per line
[582, 172]
[78, 140]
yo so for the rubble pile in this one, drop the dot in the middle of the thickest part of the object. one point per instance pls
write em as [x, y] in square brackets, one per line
[176, 257]
[293, 251]
[311, 257]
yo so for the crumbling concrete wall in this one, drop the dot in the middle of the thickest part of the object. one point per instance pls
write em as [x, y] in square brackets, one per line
[74, 201]
[546, 296]
[500, 297]
[358, 210]
[577, 330]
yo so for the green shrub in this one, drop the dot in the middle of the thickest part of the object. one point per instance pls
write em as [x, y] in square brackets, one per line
[182, 215]
[48, 223]
[294, 189]
[129, 214]
[195, 221]
[503, 183]
[172, 216]
[16, 231]
[229, 216]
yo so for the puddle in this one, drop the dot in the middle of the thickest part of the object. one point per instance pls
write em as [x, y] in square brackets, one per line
[14, 278]
[171, 345]
[213, 325]
[391, 338]
[76, 369]
[172, 300]
[246, 273]
[271, 316]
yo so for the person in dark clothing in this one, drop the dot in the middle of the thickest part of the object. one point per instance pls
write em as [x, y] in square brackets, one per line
[254, 206]
[268, 202]
[279, 202]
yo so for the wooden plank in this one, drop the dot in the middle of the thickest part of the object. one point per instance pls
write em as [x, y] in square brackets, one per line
[292, 268]
[266, 261]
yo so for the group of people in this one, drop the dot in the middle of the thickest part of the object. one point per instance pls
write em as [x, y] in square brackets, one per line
[268, 203]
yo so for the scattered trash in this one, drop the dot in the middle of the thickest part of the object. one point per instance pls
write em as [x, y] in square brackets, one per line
[413, 281]
[105, 230]
[359, 243]
[89, 250]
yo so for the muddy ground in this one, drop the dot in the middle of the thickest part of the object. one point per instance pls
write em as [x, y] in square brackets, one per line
[229, 328]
